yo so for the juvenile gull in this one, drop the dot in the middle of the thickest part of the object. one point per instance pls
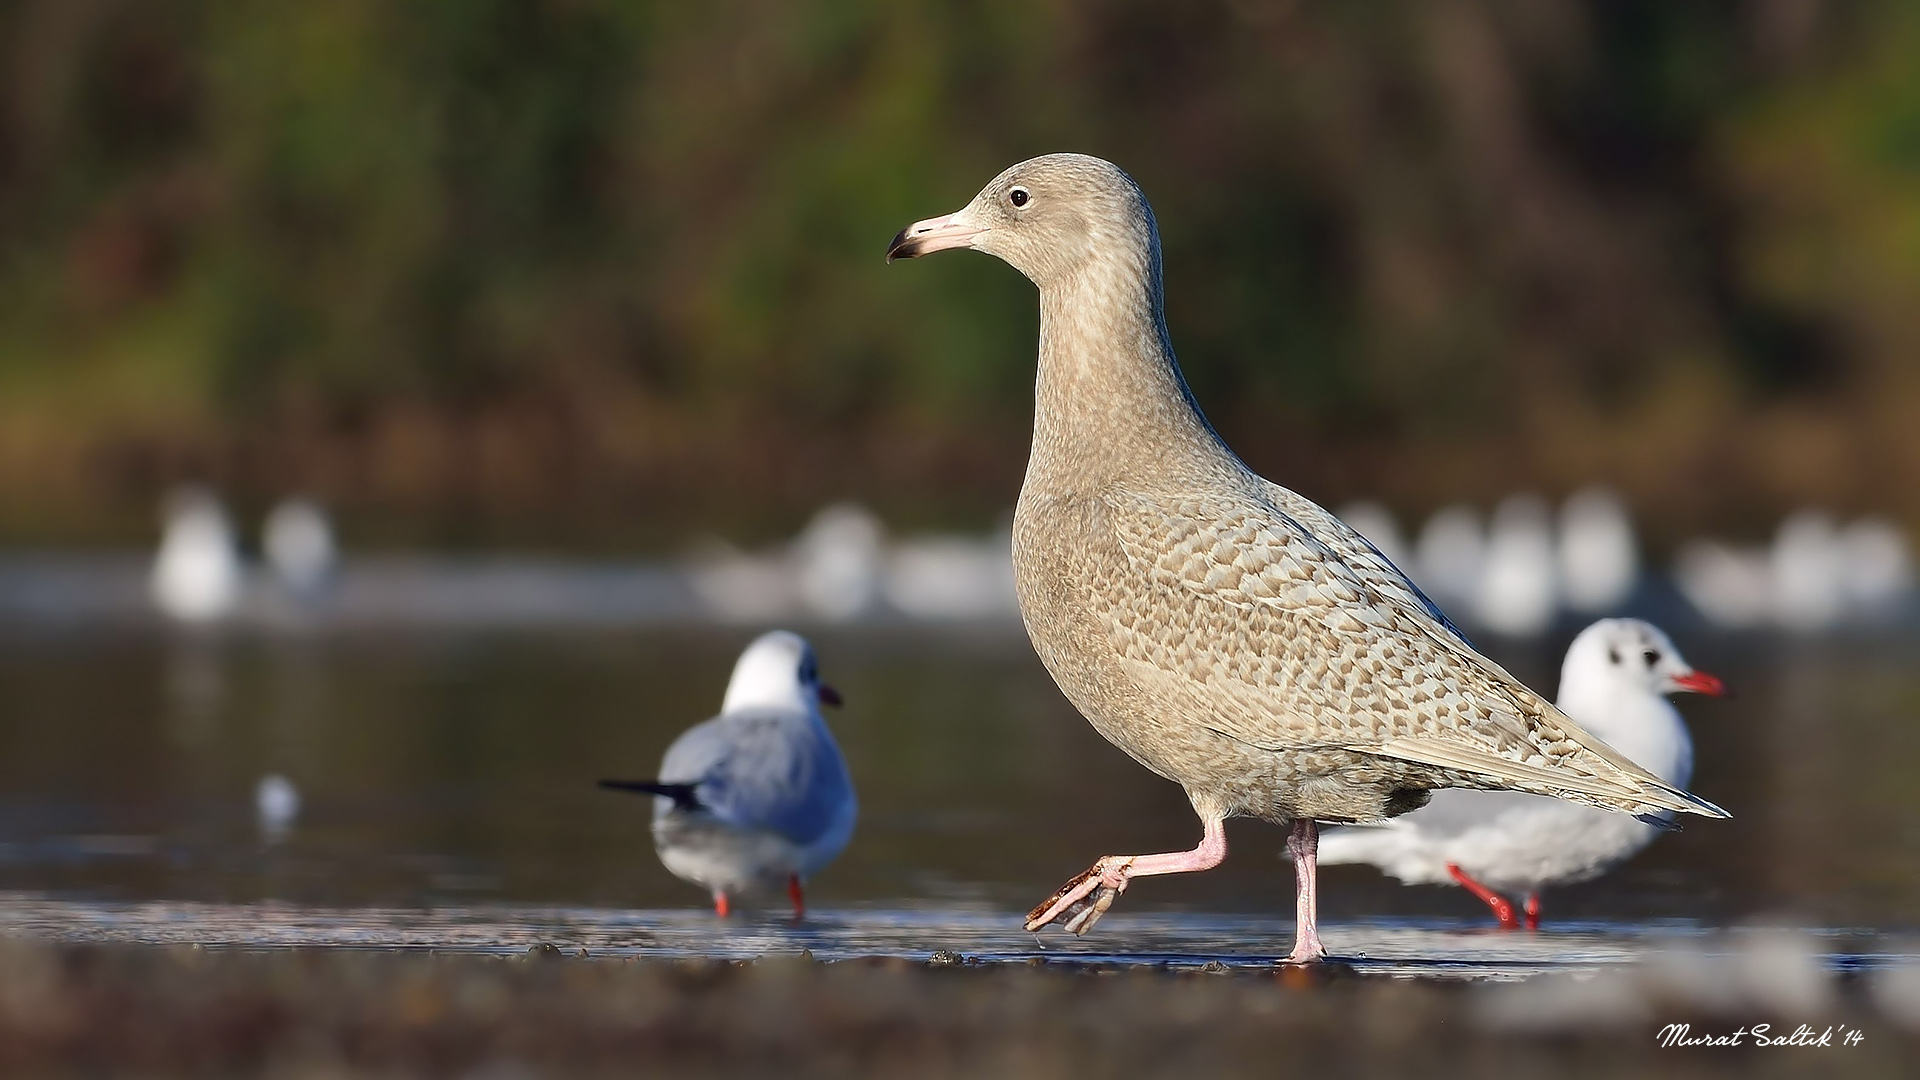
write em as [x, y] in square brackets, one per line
[1614, 681]
[757, 797]
[1225, 632]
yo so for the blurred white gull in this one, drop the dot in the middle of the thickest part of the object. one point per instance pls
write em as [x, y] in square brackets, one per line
[1876, 568]
[1599, 559]
[838, 557]
[276, 804]
[300, 549]
[952, 577]
[1732, 587]
[1451, 555]
[1375, 523]
[196, 575]
[832, 570]
[1517, 594]
[1806, 567]
[1613, 683]
[757, 797]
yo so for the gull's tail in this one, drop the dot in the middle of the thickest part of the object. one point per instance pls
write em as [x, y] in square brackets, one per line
[681, 794]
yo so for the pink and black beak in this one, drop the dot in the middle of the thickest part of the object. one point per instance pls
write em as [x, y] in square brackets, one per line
[931, 235]
[1699, 682]
[828, 695]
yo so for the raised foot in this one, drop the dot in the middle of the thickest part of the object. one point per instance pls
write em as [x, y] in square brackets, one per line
[1084, 898]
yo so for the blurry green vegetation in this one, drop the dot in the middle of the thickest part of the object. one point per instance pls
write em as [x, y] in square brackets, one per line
[488, 270]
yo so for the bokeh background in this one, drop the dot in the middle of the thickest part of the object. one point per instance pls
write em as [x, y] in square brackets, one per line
[537, 297]
[581, 275]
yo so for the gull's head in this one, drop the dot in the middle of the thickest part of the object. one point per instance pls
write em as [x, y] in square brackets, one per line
[1049, 217]
[1634, 656]
[779, 671]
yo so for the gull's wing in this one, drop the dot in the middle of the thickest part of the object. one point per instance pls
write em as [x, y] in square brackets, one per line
[1326, 656]
[773, 769]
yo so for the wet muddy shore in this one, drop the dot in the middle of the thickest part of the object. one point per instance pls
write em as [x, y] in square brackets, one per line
[176, 1010]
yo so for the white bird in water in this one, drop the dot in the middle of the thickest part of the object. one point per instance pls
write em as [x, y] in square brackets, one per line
[276, 803]
[1517, 591]
[299, 545]
[1808, 568]
[197, 575]
[758, 797]
[1451, 554]
[1614, 682]
[1599, 558]
[1377, 524]
[839, 558]
[1227, 633]
[1877, 572]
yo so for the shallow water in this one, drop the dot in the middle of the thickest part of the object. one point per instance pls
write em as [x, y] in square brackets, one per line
[1170, 940]
[448, 778]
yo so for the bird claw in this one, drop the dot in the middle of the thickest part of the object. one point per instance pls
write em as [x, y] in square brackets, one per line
[1081, 901]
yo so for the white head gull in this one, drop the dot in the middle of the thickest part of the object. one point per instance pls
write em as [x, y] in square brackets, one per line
[196, 575]
[1227, 633]
[757, 798]
[1614, 682]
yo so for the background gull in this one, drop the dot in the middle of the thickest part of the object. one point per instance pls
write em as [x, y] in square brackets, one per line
[1614, 681]
[1517, 589]
[1225, 632]
[1599, 558]
[197, 576]
[758, 797]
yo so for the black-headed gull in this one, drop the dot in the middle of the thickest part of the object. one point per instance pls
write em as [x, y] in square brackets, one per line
[758, 797]
[1613, 682]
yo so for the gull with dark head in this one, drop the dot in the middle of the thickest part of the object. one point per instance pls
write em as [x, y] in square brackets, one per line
[757, 798]
[1225, 632]
[1615, 680]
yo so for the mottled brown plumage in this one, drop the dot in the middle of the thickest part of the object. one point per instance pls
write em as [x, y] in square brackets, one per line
[1227, 633]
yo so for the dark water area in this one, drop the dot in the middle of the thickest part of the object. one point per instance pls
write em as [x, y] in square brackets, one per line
[457, 770]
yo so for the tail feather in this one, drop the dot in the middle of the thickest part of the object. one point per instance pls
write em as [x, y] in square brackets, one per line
[681, 794]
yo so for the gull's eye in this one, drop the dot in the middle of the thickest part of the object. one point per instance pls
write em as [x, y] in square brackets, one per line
[1651, 657]
[1613, 657]
[1019, 197]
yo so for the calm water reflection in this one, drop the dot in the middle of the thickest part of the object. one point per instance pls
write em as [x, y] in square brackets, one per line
[459, 769]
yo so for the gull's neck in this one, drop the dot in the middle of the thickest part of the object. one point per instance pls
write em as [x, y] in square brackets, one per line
[1110, 403]
[1634, 720]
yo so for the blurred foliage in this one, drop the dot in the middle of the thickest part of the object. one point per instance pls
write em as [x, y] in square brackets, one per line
[546, 269]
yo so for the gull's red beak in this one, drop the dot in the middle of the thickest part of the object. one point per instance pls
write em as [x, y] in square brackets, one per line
[929, 236]
[1701, 683]
[829, 696]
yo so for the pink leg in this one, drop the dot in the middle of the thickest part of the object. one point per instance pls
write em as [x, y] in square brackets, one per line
[798, 895]
[720, 904]
[1501, 909]
[1304, 846]
[1088, 896]
[1533, 911]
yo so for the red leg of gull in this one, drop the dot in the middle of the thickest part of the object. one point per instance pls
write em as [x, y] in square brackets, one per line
[720, 905]
[797, 895]
[1501, 909]
[1304, 847]
[1533, 911]
[1083, 900]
